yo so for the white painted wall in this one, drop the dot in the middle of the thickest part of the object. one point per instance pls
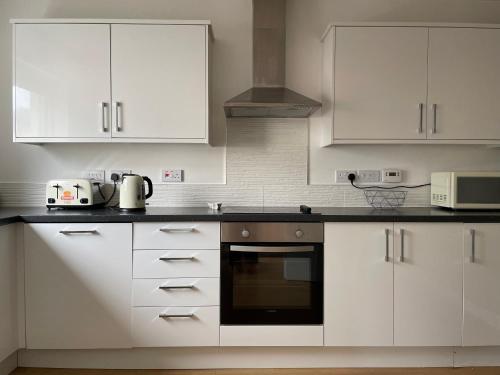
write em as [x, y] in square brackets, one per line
[202, 164]
[307, 20]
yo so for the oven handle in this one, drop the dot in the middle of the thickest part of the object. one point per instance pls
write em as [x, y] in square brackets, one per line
[272, 249]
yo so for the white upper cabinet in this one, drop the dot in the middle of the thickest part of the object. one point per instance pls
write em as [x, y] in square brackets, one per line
[61, 79]
[481, 281]
[380, 83]
[358, 284]
[411, 83]
[159, 81]
[428, 284]
[464, 83]
[111, 81]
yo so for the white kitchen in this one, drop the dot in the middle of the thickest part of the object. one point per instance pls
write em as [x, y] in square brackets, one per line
[234, 187]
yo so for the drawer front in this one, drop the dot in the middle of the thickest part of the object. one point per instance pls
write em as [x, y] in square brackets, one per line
[176, 292]
[159, 264]
[177, 235]
[200, 326]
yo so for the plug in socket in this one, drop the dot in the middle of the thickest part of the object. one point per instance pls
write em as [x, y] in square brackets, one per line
[341, 176]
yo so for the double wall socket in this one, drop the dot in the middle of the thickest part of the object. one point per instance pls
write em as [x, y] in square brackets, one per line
[172, 175]
[368, 176]
[95, 174]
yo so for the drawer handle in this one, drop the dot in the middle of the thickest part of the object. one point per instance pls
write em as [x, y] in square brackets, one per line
[166, 316]
[178, 230]
[166, 287]
[166, 259]
[93, 231]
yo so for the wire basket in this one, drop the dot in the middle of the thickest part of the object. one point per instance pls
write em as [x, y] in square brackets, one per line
[385, 198]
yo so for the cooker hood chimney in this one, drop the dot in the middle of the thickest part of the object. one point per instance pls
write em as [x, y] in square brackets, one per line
[268, 97]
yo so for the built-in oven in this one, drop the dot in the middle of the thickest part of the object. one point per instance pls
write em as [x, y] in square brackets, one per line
[271, 273]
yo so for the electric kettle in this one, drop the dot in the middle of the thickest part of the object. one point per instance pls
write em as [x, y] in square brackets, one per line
[133, 193]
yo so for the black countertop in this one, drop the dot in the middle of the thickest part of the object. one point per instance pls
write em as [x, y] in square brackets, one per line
[319, 214]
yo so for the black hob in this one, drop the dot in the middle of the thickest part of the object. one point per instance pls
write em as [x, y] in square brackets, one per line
[268, 214]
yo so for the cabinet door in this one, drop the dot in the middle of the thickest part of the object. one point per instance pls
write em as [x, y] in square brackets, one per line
[62, 77]
[380, 83]
[481, 282]
[78, 286]
[428, 284]
[358, 284]
[8, 291]
[464, 83]
[159, 81]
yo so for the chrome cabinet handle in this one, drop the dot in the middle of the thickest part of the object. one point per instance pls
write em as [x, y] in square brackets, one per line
[421, 118]
[166, 259]
[118, 122]
[104, 116]
[93, 231]
[176, 315]
[178, 230]
[473, 246]
[166, 287]
[387, 245]
[402, 255]
[434, 119]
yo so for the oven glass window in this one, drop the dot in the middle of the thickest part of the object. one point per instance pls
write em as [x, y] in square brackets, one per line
[272, 285]
[485, 190]
[271, 282]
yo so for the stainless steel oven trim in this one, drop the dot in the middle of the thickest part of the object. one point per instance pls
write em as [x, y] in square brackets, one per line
[253, 232]
[272, 249]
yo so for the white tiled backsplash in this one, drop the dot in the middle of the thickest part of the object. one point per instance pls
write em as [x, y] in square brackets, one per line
[267, 164]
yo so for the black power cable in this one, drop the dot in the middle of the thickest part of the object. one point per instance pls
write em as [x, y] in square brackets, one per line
[351, 177]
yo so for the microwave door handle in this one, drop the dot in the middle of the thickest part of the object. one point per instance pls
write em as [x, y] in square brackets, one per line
[271, 249]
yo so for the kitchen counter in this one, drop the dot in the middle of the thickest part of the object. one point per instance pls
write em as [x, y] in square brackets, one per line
[105, 215]
[10, 215]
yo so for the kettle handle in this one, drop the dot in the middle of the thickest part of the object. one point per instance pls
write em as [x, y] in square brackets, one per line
[150, 187]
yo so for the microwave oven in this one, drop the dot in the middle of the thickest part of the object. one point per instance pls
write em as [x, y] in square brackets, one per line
[466, 190]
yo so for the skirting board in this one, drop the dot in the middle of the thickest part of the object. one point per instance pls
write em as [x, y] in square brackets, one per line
[9, 364]
[246, 357]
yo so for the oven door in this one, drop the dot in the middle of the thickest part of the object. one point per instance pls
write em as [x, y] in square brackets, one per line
[271, 284]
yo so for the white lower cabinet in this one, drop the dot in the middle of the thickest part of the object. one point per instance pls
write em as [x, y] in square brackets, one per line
[481, 324]
[428, 284]
[175, 326]
[78, 286]
[8, 291]
[176, 285]
[176, 292]
[358, 284]
[411, 270]
[150, 264]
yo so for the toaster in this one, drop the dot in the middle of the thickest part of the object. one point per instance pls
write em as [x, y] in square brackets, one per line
[73, 193]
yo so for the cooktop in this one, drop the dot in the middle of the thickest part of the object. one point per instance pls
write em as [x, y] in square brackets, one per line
[299, 213]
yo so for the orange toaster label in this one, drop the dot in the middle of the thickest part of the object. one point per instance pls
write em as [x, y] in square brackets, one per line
[67, 196]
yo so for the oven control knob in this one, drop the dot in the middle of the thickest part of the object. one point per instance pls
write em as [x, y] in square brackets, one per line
[245, 233]
[299, 233]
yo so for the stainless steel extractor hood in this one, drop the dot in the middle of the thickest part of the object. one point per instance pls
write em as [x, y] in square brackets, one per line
[268, 97]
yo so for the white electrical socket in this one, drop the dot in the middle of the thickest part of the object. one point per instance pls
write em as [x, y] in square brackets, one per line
[119, 172]
[341, 176]
[172, 175]
[95, 174]
[368, 176]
